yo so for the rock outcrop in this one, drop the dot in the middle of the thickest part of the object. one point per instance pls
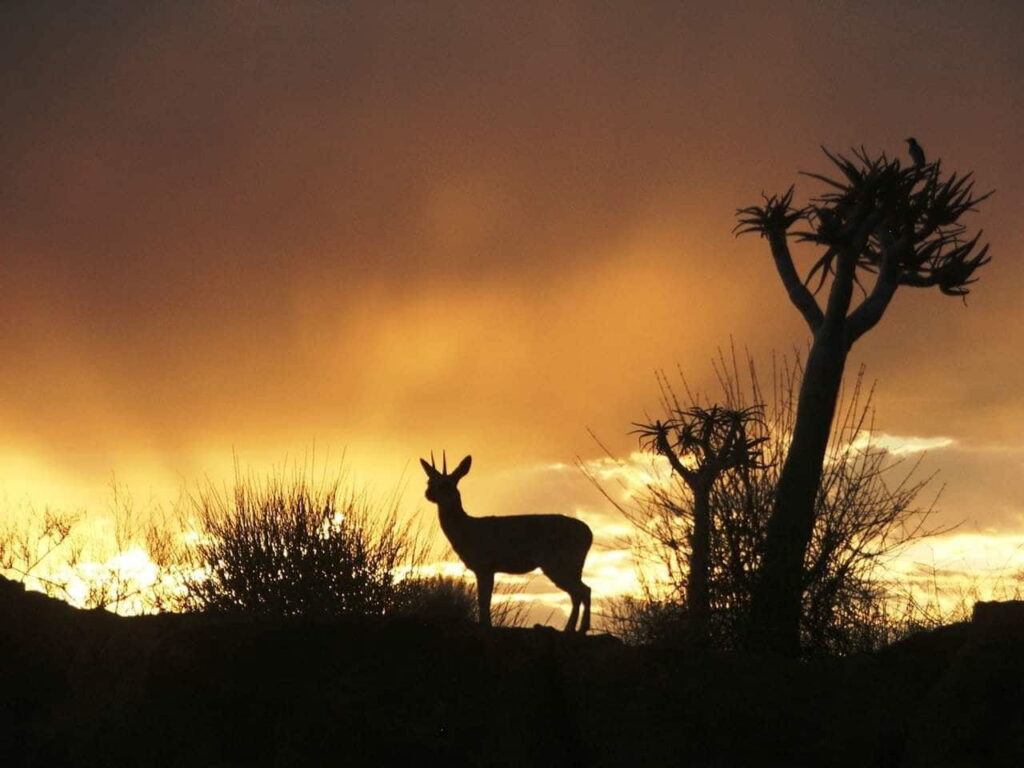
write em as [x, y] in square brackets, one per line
[88, 688]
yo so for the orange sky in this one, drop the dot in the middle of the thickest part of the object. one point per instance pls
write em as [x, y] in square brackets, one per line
[239, 228]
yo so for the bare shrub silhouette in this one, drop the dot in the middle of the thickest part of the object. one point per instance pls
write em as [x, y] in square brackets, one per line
[28, 548]
[865, 515]
[901, 226]
[298, 547]
[124, 560]
[441, 597]
[452, 598]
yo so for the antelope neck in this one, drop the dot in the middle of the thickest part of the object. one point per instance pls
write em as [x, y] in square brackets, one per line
[451, 509]
[453, 516]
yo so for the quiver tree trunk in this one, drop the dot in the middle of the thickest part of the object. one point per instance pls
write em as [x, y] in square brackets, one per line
[775, 609]
[699, 588]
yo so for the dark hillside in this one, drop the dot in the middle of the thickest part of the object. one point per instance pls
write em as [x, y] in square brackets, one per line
[89, 688]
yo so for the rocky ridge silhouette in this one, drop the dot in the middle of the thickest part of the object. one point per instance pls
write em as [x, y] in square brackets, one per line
[90, 688]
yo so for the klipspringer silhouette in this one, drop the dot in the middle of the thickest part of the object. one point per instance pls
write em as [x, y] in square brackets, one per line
[556, 544]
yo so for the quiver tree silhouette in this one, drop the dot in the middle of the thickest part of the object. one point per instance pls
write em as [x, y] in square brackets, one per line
[903, 226]
[713, 440]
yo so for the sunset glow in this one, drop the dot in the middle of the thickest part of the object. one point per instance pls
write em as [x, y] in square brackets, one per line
[249, 235]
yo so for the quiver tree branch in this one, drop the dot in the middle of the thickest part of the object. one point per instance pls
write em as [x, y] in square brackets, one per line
[772, 220]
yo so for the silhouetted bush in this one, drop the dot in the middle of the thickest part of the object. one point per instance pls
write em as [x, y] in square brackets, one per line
[647, 619]
[439, 597]
[451, 598]
[121, 561]
[31, 543]
[287, 547]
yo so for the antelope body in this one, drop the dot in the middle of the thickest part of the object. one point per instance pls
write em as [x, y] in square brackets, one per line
[556, 544]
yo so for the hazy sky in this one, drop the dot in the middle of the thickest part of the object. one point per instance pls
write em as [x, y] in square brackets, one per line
[246, 227]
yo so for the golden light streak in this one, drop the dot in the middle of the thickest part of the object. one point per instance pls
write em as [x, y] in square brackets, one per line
[946, 570]
[898, 445]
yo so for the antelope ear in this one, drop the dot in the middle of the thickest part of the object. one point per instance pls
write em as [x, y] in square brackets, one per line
[427, 468]
[463, 469]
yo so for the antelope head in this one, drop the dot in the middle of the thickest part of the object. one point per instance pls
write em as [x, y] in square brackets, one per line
[442, 486]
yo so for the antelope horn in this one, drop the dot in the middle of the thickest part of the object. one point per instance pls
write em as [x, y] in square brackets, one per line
[444, 458]
[432, 460]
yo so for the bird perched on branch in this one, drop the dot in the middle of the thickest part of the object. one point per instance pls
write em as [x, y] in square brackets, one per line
[916, 153]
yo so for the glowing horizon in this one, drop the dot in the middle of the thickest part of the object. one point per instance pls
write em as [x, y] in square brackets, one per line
[942, 571]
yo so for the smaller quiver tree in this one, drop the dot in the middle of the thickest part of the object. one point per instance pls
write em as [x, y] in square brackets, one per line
[701, 444]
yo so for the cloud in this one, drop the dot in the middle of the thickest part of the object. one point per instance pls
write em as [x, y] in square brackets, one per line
[981, 489]
[898, 445]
